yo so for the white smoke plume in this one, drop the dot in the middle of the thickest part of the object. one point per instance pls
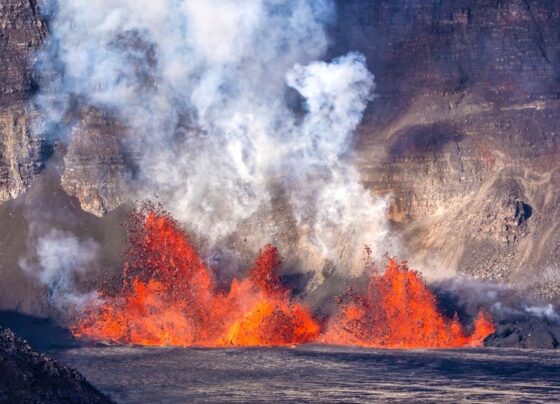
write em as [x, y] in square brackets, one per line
[60, 257]
[501, 300]
[223, 100]
[547, 311]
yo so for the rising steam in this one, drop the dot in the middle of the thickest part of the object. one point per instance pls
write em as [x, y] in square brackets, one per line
[58, 258]
[226, 103]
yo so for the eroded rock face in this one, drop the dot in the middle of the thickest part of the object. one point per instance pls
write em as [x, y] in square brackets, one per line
[22, 32]
[22, 153]
[27, 376]
[94, 168]
[465, 132]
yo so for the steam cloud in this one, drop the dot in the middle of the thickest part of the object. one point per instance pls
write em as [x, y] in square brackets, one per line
[546, 311]
[226, 102]
[60, 257]
[502, 301]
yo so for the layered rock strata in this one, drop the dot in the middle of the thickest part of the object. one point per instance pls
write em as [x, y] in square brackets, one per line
[464, 132]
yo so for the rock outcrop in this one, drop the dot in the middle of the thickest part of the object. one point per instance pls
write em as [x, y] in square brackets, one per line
[22, 153]
[22, 32]
[95, 171]
[27, 376]
[525, 332]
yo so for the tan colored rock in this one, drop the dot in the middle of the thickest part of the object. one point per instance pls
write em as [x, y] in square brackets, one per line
[21, 153]
[94, 167]
[465, 131]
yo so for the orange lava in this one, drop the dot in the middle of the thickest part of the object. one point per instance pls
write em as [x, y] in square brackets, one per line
[169, 298]
[399, 311]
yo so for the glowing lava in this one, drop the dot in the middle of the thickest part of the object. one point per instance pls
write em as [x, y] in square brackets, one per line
[169, 297]
[398, 311]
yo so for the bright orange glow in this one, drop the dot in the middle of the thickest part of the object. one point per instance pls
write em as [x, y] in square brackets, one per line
[399, 311]
[169, 298]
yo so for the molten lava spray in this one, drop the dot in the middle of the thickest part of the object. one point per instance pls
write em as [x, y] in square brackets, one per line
[399, 311]
[169, 297]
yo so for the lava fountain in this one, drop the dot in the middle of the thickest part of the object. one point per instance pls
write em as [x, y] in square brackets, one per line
[399, 311]
[169, 297]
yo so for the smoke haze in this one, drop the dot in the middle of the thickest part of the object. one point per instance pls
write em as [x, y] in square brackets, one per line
[58, 257]
[226, 102]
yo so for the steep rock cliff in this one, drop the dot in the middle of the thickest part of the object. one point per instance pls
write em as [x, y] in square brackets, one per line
[464, 132]
[22, 153]
[95, 169]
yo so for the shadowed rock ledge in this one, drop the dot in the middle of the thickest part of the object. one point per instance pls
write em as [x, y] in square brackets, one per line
[27, 376]
[525, 332]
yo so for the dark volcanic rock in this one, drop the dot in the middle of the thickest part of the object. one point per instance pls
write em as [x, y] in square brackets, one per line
[526, 332]
[27, 376]
[22, 32]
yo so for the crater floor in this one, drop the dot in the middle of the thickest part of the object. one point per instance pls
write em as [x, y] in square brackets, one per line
[317, 374]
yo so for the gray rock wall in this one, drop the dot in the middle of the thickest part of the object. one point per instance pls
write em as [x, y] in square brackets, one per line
[464, 132]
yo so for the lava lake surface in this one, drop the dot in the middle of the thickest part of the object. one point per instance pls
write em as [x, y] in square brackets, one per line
[315, 373]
